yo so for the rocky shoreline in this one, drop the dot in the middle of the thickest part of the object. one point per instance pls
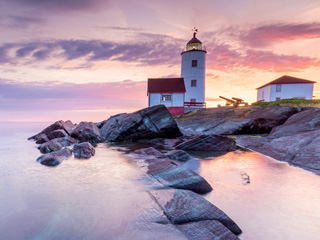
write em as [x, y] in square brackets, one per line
[179, 196]
[284, 133]
[161, 145]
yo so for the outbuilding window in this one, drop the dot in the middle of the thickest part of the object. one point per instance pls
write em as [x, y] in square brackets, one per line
[166, 97]
[194, 63]
[278, 98]
[193, 83]
[278, 88]
[192, 100]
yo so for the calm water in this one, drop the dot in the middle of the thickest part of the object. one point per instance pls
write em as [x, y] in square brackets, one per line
[105, 197]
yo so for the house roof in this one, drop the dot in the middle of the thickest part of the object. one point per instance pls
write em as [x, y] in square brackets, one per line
[287, 80]
[166, 85]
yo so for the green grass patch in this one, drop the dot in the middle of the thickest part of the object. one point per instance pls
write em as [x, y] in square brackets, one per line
[293, 102]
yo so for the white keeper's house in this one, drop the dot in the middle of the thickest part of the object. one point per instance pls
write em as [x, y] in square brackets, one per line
[285, 87]
[185, 93]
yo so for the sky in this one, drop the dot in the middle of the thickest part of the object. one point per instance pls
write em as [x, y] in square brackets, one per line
[86, 60]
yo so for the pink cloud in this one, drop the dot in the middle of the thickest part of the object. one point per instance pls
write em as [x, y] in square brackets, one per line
[266, 35]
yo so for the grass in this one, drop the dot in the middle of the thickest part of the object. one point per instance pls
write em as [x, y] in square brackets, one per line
[293, 102]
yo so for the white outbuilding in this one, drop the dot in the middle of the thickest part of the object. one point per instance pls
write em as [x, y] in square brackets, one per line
[169, 92]
[285, 87]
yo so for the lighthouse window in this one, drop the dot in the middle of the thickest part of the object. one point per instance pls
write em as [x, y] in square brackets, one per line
[166, 98]
[278, 88]
[193, 83]
[194, 63]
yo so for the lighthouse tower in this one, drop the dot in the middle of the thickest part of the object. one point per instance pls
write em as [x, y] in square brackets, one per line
[193, 62]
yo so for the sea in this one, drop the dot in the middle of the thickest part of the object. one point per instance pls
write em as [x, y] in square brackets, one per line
[106, 196]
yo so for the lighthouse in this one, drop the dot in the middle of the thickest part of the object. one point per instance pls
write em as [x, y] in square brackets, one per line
[193, 70]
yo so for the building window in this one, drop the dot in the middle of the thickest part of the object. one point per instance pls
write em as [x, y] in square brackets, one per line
[193, 83]
[194, 63]
[278, 98]
[166, 97]
[278, 88]
[193, 100]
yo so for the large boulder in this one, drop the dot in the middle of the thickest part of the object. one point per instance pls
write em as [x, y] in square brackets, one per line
[184, 207]
[170, 174]
[55, 158]
[208, 143]
[87, 132]
[151, 122]
[42, 138]
[65, 125]
[83, 150]
[59, 133]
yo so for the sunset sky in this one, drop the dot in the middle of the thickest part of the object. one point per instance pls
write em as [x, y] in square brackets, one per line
[85, 60]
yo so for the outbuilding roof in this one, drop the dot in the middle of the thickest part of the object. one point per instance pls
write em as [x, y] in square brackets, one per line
[166, 85]
[287, 80]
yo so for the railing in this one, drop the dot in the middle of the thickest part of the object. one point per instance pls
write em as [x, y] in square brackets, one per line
[195, 104]
[200, 47]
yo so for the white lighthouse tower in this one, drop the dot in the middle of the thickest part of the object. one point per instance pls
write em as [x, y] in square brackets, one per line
[193, 70]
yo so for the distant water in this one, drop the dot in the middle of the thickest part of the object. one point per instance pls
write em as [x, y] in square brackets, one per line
[105, 197]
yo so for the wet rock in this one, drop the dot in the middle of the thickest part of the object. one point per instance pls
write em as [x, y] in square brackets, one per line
[87, 132]
[56, 144]
[206, 230]
[59, 133]
[208, 143]
[55, 158]
[170, 174]
[179, 155]
[298, 149]
[149, 152]
[50, 146]
[65, 125]
[152, 122]
[42, 138]
[83, 150]
[184, 207]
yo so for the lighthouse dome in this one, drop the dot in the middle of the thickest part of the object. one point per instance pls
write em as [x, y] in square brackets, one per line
[194, 45]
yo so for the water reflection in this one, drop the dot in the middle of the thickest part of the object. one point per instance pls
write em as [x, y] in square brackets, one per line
[281, 202]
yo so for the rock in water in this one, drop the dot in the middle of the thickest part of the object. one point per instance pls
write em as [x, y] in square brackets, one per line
[87, 132]
[208, 143]
[179, 155]
[170, 174]
[65, 125]
[149, 152]
[59, 133]
[151, 122]
[184, 207]
[83, 150]
[55, 158]
[56, 144]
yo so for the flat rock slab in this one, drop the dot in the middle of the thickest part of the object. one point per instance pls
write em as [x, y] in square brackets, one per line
[149, 152]
[179, 155]
[83, 150]
[208, 143]
[170, 174]
[184, 207]
[55, 158]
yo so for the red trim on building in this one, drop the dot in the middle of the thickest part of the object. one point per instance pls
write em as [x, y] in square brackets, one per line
[176, 110]
[166, 85]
